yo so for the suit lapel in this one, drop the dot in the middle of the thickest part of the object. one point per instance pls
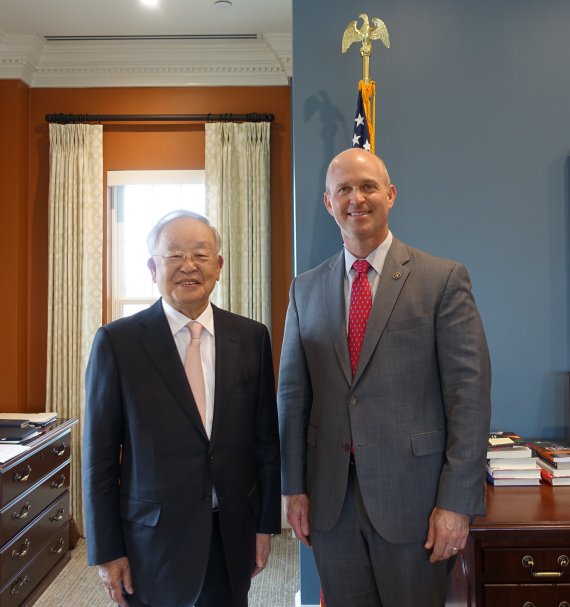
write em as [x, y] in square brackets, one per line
[157, 341]
[335, 310]
[394, 276]
[227, 354]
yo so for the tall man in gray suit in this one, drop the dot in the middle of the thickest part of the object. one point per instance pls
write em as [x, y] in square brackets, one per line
[384, 412]
[181, 444]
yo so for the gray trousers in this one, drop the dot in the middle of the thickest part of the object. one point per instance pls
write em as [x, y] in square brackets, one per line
[358, 568]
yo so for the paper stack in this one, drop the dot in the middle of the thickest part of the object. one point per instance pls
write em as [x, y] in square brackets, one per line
[34, 419]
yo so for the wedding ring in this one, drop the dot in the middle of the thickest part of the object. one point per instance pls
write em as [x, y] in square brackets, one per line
[454, 549]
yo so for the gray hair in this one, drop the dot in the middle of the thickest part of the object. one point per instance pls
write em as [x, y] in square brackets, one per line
[154, 234]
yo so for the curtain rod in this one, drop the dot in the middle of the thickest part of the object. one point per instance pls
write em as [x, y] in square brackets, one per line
[78, 118]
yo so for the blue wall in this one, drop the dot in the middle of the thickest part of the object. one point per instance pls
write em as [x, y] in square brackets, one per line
[473, 119]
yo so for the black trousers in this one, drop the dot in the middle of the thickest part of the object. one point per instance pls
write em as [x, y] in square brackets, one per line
[216, 590]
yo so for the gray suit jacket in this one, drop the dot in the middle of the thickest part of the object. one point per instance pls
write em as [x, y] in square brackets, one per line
[148, 466]
[417, 410]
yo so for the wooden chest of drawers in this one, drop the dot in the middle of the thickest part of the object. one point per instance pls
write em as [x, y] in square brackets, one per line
[34, 516]
[518, 555]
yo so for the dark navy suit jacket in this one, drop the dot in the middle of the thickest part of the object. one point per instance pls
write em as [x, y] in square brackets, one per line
[148, 466]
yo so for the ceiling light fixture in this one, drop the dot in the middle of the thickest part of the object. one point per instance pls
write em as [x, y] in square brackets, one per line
[223, 3]
[152, 3]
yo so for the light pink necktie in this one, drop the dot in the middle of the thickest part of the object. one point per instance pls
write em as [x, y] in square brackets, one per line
[360, 305]
[193, 368]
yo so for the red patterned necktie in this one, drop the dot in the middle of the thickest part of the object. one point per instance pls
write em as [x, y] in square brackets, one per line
[360, 305]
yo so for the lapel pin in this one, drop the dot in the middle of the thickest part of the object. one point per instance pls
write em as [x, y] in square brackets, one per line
[396, 276]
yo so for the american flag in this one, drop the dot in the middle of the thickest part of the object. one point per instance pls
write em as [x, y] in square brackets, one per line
[363, 134]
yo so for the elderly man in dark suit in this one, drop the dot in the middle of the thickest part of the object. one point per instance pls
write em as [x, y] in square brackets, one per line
[384, 404]
[181, 443]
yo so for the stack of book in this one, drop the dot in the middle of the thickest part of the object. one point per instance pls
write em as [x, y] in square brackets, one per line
[33, 419]
[554, 461]
[16, 428]
[12, 433]
[510, 461]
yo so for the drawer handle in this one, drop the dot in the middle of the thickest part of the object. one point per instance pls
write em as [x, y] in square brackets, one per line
[58, 516]
[59, 451]
[564, 604]
[17, 585]
[60, 484]
[58, 548]
[528, 562]
[23, 512]
[22, 478]
[24, 549]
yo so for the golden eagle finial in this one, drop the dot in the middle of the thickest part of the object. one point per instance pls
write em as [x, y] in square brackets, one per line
[365, 34]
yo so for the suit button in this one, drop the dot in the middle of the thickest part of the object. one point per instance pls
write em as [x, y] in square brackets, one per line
[207, 496]
[352, 400]
[345, 446]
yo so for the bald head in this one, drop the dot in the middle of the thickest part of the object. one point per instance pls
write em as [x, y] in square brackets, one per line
[359, 196]
[356, 156]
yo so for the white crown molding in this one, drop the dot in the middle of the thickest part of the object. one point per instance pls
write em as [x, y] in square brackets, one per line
[263, 61]
[282, 45]
[19, 55]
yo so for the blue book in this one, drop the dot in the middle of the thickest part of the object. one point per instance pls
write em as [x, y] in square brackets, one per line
[17, 435]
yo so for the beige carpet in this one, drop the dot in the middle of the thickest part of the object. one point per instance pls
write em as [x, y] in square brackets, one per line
[78, 585]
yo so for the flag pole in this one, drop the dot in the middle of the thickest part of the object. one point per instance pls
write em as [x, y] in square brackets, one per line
[366, 79]
[367, 87]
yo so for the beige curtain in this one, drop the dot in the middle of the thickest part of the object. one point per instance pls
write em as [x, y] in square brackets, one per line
[237, 199]
[75, 275]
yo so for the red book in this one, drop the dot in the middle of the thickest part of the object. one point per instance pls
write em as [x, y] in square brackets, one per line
[554, 480]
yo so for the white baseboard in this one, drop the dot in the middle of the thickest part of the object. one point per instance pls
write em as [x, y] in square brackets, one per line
[298, 601]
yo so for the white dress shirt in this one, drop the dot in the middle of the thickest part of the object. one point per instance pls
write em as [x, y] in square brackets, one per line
[178, 322]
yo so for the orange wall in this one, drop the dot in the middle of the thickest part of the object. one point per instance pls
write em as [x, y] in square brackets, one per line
[14, 129]
[135, 146]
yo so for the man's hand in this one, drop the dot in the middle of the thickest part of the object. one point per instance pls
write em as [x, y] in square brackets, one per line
[116, 576]
[262, 551]
[297, 513]
[447, 534]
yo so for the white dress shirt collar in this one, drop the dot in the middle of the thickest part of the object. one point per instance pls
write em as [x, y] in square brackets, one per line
[178, 321]
[376, 259]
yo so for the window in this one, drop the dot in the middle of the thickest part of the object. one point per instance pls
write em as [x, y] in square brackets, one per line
[138, 200]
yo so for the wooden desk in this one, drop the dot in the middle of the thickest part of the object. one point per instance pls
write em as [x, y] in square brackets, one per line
[518, 555]
[34, 516]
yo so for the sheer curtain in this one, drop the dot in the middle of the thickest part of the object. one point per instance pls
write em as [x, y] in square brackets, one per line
[75, 275]
[238, 204]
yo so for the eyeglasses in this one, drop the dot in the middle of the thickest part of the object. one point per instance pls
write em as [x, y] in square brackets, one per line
[175, 258]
